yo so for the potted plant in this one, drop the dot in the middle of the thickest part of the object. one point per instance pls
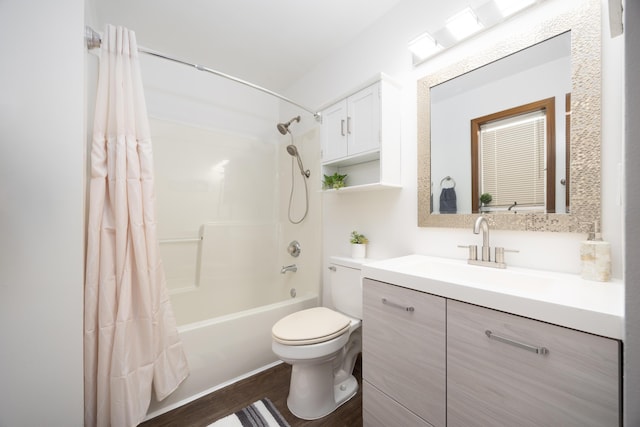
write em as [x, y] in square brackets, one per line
[485, 199]
[358, 245]
[334, 181]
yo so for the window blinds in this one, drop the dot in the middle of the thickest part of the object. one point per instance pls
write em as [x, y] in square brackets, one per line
[512, 156]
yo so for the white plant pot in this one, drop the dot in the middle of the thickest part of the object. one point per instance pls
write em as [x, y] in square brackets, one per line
[358, 251]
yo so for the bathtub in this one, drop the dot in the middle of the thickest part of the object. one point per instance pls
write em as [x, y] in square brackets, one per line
[247, 350]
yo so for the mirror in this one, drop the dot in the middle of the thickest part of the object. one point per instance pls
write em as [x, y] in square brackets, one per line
[501, 79]
[470, 102]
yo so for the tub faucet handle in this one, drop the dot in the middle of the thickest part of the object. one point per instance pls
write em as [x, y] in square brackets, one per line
[292, 268]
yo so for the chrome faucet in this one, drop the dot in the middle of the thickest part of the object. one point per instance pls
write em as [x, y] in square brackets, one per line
[481, 222]
[293, 268]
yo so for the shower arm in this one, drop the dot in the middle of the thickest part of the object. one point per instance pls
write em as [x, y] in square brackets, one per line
[93, 40]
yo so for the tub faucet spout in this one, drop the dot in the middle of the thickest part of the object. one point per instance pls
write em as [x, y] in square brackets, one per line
[293, 268]
[481, 223]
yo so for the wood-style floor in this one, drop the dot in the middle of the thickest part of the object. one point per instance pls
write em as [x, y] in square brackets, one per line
[273, 384]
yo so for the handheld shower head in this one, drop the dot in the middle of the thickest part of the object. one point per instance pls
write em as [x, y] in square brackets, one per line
[283, 128]
[293, 151]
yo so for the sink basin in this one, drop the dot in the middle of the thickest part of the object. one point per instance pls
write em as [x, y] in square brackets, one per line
[559, 298]
[458, 271]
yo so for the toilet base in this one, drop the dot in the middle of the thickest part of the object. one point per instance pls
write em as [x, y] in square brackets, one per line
[316, 403]
[345, 390]
[321, 384]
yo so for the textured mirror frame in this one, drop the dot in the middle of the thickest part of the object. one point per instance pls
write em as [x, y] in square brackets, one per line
[585, 162]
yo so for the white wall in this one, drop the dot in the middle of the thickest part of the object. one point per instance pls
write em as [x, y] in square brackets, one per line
[41, 212]
[389, 219]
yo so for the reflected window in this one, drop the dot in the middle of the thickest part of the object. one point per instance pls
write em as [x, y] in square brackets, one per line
[513, 156]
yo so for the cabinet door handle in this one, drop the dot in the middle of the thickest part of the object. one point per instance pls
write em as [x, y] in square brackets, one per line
[396, 305]
[342, 127]
[528, 347]
[349, 125]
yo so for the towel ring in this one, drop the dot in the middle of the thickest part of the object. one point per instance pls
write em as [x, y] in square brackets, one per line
[448, 178]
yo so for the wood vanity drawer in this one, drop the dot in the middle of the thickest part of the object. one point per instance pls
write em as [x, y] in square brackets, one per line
[527, 373]
[382, 411]
[404, 348]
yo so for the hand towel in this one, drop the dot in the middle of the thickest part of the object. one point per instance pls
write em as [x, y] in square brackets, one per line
[448, 202]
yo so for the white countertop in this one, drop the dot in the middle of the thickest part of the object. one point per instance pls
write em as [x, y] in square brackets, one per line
[558, 298]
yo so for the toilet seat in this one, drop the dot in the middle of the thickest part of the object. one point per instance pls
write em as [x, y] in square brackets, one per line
[311, 326]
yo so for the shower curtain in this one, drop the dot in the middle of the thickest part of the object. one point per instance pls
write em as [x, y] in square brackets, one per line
[130, 336]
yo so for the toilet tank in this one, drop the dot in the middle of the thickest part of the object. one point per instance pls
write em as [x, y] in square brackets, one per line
[345, 281]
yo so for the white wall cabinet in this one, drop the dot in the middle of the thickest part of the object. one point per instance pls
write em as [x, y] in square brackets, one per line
[437, 365]
[361, 136]
[352, 126]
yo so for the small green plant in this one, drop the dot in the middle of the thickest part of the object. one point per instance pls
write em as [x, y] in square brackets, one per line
[334, 181]
[485, 198]
[358, 239]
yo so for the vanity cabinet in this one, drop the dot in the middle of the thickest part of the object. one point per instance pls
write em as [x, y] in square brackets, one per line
[404, 352]
[434, 361]
[527, 373]
[361, 136]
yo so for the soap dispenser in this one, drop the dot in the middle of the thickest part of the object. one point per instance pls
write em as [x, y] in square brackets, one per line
[595, 256]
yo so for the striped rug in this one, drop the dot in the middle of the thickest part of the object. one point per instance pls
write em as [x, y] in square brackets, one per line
[259, 414]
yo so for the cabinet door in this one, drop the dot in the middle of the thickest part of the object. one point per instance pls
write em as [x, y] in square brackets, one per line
[363, 120]
[379, 410]
[501, 380]
[403, 351]
[334, 132]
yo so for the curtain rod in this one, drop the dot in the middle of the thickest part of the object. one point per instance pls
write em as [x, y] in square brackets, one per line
[93, 41]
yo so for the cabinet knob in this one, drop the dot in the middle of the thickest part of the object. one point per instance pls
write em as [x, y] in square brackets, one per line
[332, 268]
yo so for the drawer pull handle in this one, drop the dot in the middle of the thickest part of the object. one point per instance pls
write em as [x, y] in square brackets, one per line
[531, 348]
[393, 304]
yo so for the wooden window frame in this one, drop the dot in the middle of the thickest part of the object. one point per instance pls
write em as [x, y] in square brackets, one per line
[546, 105]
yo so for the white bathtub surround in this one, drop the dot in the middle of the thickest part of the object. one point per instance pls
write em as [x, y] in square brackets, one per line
[131, 340]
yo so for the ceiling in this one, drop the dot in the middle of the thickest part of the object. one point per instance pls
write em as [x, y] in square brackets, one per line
[270, 43]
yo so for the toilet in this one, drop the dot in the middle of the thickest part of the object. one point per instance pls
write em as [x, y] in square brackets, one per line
[322, 345]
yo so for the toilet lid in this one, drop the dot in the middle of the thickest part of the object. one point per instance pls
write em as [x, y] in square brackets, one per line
[311, 326]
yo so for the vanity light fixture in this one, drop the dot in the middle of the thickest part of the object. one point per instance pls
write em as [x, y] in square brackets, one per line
[424, 46]
[464, 24]
[509, 7]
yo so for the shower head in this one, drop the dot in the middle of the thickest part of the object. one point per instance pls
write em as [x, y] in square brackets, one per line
[283, 128]
[293, 151]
